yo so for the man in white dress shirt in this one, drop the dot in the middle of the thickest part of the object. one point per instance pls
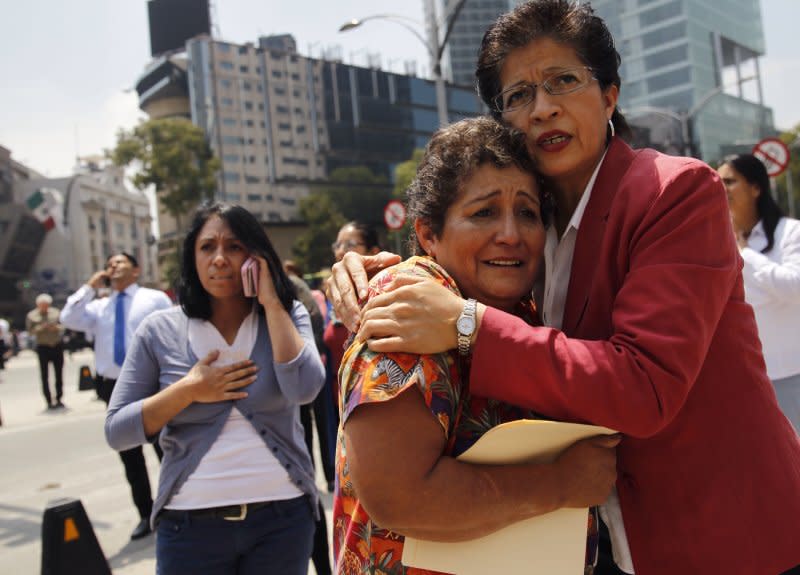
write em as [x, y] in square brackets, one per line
[113, 321]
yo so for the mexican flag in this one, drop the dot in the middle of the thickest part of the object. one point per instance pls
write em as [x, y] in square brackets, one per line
[45, 205]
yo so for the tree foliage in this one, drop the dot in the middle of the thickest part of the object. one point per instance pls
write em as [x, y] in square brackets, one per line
[351, 193]
[313, 247]
[173, 155]
[403, 176]
[792, 139]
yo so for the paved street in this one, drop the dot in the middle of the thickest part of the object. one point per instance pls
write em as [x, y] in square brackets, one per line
[48, 455]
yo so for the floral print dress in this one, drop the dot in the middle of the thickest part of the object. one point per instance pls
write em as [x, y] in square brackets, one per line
[360, 545]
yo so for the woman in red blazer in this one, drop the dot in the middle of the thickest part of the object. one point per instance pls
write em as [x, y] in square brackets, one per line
[649, 331]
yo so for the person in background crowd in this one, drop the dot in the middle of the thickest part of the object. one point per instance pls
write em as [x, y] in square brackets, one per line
[646, 327]
[112, 321]
[221, 379]
[5, 341]
[362, 239]
[769, 243]
[319, 411]
[42, 323]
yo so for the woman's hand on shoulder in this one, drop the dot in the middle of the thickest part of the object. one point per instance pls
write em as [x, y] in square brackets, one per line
[588, 470]
[349, 281]
[414, 315]
[207, 383]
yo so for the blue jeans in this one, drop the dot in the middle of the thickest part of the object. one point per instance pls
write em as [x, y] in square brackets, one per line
[273, 539]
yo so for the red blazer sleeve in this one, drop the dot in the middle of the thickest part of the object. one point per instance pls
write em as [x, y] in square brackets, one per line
[665, 272]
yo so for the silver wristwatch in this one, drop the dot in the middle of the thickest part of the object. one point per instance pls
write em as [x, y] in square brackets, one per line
[465, 325]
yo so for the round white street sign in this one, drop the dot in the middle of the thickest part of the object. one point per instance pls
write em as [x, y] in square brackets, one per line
[394, 214]
[774, 154]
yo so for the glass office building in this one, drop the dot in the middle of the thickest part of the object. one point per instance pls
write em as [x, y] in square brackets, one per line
[692, 62]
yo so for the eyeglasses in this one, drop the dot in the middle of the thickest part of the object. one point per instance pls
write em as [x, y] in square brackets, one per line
[562, 82]
[345, 245]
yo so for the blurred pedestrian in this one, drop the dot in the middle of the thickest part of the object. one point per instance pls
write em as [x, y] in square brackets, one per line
[5, 341]
[220, 379]
[769, 243]
[42, 323]
[112, 321]
[319, 412]
[356, 237]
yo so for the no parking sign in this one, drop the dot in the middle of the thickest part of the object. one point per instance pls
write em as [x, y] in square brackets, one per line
[394, 214]
[774, 154]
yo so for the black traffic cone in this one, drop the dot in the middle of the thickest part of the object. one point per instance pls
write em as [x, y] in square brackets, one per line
[85, 378]
[69, 545]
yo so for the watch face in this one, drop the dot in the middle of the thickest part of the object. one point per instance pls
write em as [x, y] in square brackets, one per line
[465, 325]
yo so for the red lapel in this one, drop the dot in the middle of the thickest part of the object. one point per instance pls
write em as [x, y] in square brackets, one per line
[591, 231]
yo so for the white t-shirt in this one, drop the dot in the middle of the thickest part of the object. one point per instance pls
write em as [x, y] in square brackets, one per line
[238, 468]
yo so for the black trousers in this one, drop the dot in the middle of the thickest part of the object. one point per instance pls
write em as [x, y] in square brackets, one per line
[322, 412]
[47, 355]
[132, 460]
[319, 411]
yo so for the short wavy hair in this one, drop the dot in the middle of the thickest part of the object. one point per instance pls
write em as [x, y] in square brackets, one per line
[566, 21]
[194, 299]
[451, 157]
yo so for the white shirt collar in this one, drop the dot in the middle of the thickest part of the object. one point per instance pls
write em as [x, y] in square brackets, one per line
[204, 338]
[129, 291]
[577, 215]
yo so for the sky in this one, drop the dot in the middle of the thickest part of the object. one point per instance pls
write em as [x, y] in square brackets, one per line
[68, 67]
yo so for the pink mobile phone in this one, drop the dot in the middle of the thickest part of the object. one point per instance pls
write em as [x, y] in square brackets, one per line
[250, 277]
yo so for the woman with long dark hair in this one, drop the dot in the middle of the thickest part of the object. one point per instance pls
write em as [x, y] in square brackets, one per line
[220, 380]
[769, 243]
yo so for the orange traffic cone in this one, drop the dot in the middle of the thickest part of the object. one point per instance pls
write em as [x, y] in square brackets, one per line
[69, 545]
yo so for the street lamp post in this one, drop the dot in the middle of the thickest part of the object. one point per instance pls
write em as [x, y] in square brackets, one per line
[685, 118]
[438, 33]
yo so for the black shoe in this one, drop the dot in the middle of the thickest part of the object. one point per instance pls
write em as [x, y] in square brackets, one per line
[60, 404]
[142, 530]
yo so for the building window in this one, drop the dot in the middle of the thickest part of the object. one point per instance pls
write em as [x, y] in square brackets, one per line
[231, 177]
[228, 102]
[244, 69]
[229, 121]
[225, 65]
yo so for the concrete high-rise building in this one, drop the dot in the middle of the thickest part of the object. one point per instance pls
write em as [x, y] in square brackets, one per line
[281, 122]
[683, 61]
[56, 232]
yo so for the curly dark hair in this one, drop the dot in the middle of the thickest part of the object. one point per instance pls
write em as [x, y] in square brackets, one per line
[565, 21]
[451, 157]
[193, 297]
